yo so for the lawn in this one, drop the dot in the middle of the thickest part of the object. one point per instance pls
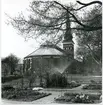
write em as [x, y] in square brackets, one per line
[84, 79]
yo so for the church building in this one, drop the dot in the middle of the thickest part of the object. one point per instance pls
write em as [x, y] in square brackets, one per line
[51, 58]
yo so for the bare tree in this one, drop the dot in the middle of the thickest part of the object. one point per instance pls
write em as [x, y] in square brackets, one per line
[92, 41]
[50, 19]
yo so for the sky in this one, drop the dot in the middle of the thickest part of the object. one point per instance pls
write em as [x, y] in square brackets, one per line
[11, 42]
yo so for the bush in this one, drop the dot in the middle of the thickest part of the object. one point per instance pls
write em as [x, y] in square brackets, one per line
[12, 96]
[93, 82]
[71, 94]
[7, 87]
[57, 80]
[78, 98]
[73, 84]
[93, 86]
[10, 78]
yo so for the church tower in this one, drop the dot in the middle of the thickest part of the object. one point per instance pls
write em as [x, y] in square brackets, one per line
[68, 44]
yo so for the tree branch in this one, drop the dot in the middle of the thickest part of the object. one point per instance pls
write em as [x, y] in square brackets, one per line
[92, 54]
[85, 26]
[88, 29]
[87, 4]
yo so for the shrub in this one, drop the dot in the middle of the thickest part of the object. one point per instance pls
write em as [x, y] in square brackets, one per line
[73, 84]
[10, 78]
[93, 86]
[70, 94]
[57, 80]
[7, 87]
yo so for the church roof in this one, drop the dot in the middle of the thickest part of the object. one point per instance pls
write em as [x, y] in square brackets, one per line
[48, 49]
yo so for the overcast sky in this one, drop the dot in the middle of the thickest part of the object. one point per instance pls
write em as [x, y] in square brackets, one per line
[11, 42]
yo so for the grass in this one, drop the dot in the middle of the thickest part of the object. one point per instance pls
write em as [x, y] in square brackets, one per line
[84, 79]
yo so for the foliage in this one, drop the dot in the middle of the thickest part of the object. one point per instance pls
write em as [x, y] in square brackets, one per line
[90, 42]
[10, 78]
[93, 86]
[78, 98]
[7, 87]
[75, 67]
[12, 62]
[49, 19]
[73, 84]
[57, 80]
[23, 95]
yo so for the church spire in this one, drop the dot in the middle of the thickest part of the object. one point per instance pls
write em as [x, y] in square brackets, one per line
[68, 44]
[68, 35]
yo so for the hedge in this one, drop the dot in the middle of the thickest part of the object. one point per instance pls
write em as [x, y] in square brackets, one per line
[10, 78]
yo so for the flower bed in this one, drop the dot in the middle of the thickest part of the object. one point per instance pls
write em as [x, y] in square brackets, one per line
[23, 95]
[78, 98]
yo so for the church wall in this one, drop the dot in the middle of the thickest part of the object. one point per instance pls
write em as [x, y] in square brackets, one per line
[43, 66]
[46, 64]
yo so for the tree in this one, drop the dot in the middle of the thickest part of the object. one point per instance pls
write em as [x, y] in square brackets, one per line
[90, 43]
[84, 27]
[12, 61]
[5, 69]
[50, 19]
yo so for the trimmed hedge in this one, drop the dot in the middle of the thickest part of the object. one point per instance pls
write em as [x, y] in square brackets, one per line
[10, 78]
